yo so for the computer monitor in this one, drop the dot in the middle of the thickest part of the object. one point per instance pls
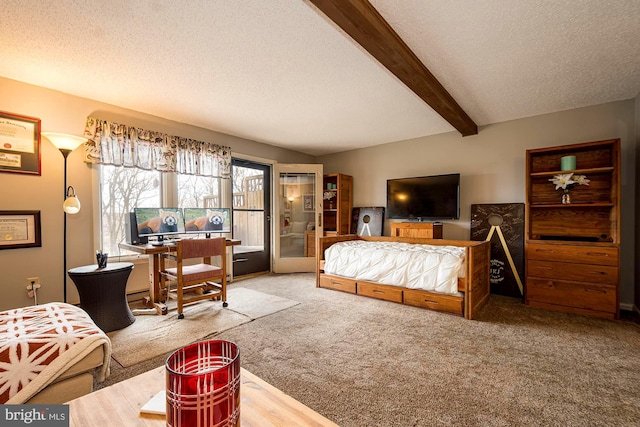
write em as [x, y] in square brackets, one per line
[159, 222]
[207, 220]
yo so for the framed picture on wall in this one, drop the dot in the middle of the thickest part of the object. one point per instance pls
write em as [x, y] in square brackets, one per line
[19, 229]
[307, 203]
[19, 144]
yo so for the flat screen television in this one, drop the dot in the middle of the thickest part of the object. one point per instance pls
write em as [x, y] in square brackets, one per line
[207, 220]
[159, 222]
[424, 198]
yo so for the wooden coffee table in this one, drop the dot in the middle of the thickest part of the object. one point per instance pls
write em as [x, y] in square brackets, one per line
[261, 404]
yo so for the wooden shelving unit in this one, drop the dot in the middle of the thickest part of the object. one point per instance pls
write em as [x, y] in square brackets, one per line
[572, 250]
[336, 211]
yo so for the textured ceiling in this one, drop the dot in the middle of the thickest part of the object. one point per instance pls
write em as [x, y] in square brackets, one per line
[280, 72]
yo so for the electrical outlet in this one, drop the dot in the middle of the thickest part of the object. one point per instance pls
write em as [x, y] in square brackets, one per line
[33, 283]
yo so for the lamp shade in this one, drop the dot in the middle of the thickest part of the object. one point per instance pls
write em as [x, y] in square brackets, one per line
[71, 204]
[62, 141]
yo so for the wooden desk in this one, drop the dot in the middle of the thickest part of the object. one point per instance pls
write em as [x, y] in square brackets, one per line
[154, 253]
[261, 404]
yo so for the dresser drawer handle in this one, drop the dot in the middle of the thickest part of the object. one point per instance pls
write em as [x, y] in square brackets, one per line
[552, 251]
[597, 254]
[597, 291]
[375, 291]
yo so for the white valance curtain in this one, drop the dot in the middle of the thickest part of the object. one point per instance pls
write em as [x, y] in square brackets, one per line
[121, 145]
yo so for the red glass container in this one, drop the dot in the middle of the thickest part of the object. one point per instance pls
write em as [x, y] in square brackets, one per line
[203, 385]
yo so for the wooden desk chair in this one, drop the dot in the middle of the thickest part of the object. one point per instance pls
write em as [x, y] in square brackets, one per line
[197, 280]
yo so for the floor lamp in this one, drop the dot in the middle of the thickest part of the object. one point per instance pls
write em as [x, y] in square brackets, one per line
[71, 205]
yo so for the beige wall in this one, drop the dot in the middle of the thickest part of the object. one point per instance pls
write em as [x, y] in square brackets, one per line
[64, 113]
[492, 165]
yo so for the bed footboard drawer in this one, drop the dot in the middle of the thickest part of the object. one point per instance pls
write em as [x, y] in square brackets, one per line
[337, 283]
[424, 299]
[387, 293]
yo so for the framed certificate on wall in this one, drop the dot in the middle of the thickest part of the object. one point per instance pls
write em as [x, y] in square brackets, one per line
[19, 229]
[19, 144]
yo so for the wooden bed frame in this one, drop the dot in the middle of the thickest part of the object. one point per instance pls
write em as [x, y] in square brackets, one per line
[475, 286]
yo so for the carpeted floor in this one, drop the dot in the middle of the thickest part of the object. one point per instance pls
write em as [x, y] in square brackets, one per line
[166, 333]
[364, 362]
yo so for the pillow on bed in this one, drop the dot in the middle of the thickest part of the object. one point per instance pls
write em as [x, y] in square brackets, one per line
[298, 227]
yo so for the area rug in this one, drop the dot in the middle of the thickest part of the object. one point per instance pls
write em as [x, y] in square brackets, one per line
[151, 335]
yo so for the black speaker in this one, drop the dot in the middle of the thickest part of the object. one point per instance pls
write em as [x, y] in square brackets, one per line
[131, 230]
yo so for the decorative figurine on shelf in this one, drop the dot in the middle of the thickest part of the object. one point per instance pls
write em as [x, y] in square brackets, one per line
[566, 181]
[329, 195]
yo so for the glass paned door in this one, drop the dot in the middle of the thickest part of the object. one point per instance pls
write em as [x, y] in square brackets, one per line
[251, 216]
[299, 213]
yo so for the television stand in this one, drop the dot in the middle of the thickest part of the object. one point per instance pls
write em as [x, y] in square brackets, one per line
[427, 230]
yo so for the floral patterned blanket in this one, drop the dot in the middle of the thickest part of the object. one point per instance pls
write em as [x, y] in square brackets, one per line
[39, 343]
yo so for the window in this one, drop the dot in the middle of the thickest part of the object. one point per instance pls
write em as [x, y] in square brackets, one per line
[141, 168]
[199, 191]
[122, 189]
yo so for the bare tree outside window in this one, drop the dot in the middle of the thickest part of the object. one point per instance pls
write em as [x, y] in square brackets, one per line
[121, 190]
[194, 190]
[238, 183]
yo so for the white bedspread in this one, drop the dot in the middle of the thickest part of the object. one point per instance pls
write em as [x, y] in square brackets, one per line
[428, 267]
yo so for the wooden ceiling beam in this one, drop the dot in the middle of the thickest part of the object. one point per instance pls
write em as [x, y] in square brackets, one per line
[367, 27]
